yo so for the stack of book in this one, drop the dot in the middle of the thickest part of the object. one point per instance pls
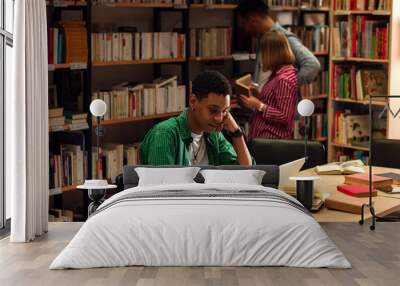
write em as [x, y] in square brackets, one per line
[56, 119]
[127, 100]
[128, 46]
[378, 182]
[210, 42]
[77, 121]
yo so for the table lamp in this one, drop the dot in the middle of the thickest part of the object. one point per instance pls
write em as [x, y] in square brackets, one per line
[305, 185]
[97, 187]
[305, 109]
[98, 108]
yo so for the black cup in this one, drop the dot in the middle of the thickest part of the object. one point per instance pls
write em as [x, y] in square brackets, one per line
[304, 192]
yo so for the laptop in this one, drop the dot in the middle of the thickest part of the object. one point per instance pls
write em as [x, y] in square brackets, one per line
[288, 170]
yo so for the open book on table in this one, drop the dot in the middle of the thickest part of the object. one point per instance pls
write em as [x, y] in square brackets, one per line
[345, 168]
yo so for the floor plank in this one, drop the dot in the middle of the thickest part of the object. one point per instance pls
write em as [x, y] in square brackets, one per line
[375, 257]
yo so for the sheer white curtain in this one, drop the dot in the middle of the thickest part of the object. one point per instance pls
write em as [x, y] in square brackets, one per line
[27, 124]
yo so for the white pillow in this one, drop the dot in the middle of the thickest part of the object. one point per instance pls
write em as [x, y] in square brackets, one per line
[248, 177]
[166, 176]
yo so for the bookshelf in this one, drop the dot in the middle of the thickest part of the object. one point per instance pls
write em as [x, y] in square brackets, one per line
[69, 89]
[310, 20]
[182, 17]
[360, 64]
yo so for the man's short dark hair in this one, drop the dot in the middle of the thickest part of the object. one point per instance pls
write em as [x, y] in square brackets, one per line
[248, 8]
[210, 82]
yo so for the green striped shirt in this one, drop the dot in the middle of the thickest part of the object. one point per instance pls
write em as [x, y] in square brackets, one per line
[168, 142]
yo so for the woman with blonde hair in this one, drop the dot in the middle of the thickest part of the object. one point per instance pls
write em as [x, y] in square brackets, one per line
[275, 106]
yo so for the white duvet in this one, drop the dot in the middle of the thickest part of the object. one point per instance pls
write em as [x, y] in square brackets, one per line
[203, 231]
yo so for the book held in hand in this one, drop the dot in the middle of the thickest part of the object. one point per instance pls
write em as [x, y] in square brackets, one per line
[244, 84]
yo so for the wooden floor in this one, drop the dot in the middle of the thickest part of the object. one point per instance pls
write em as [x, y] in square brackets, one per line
[375, 257]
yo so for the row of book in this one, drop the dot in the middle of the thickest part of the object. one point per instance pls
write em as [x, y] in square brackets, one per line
[211, 2]
[346, 155]
[112, 159]
[175, 2]
[60, 120]
[315, 38]
[109, 47]
[67, 168]
[299, 3]
[363, 38]
[319, 87]
[210, 42]
[361, 5]
[66, 43]
[350, 129]
[127, 100]
[354, 83]
[317, 128]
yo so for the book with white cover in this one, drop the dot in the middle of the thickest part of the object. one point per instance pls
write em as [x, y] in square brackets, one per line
[345, 168]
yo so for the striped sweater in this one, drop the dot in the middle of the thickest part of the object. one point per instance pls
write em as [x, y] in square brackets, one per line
[280, 97]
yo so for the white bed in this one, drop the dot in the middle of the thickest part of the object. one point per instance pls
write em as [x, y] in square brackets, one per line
[185, 230]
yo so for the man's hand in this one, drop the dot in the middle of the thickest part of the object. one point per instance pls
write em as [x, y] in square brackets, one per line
[230, 123]
[250, 102]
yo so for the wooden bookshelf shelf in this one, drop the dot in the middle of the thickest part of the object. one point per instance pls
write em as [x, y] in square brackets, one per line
[350, 147]
[364, 102]
[65, 128]
[137, 118]
[321, 139]
[69, 188]
[314, 9]
[326, 53]
[315, 97]
[74, 66]
[361, 60]
[133, 5]
[283, 9]
[217, 58]
[136, 62]
[295, 9]
[355, 12]
[213, 6]
[66, 3]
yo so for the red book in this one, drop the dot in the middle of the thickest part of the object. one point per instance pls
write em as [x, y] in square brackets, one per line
[359, 191]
